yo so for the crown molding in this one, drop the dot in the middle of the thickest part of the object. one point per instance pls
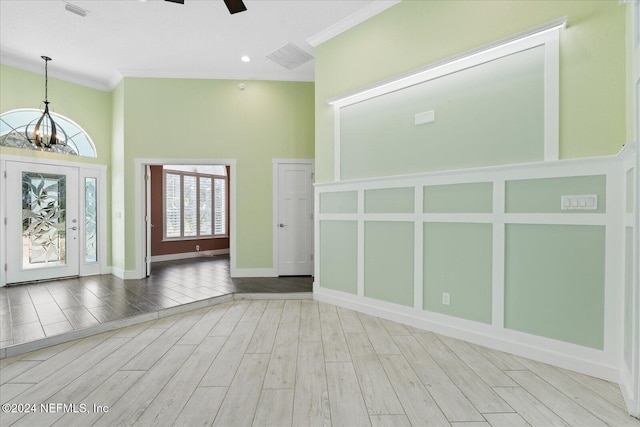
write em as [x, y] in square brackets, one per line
[68, 76]
[351, 21]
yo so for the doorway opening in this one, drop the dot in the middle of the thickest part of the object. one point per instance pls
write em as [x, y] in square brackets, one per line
[187, 211]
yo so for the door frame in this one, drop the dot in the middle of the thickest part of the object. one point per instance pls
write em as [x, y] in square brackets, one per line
[84, 170]
[630, 378]
[143, 239]
[276, 212]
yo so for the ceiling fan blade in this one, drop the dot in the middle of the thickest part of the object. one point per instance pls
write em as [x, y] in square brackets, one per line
[235, 6]
[176, 1]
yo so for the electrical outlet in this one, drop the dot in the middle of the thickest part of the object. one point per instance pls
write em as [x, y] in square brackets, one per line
[197, 248]
[446, 298]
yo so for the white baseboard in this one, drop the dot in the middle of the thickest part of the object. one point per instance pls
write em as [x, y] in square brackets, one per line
[124, 274]
[628, 393]
[564, 355]
[186, 255]
[253, 272]
[263, 296]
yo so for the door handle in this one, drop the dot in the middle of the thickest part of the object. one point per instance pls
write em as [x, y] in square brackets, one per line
[282, 225]
[74, 228]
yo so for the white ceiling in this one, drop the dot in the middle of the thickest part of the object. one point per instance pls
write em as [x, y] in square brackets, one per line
[155, 38]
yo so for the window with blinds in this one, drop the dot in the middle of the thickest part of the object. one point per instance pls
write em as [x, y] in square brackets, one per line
[195, 205]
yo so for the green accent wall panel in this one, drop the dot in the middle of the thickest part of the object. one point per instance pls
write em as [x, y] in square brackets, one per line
[544, 195]
[476, 197]
[339, 202]
[339, 254]
[457, 260]
[628, 295]
[489, 114]
[554, 282]
[414, 34]
[388, 261]
[389, 200]
[630, 190]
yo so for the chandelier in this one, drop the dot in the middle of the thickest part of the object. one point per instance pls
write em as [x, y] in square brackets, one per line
[45, 134]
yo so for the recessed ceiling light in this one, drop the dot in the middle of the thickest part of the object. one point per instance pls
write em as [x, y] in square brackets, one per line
[245, 58]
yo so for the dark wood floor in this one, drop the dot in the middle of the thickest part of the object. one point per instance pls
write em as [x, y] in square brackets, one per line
[34, 311]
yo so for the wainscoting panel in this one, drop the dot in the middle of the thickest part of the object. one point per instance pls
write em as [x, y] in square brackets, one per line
[489, 255]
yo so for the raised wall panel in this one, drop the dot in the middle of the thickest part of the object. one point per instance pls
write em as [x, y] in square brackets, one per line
[339, 202]
[489, 114]
[628, 300]
[554, 282]
[544, 195]
[457, 260]
[629, 191]
[475, 197]
[388, 261]
[339, 254]
[389, 200]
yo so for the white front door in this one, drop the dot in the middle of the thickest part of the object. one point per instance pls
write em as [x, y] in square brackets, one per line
[43, 222]
[295, 219]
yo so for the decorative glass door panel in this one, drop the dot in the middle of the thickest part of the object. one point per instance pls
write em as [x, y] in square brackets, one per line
[90, 220]
[42, 222]
[44, 241]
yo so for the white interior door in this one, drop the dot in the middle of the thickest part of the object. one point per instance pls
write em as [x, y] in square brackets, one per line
[295, 219]
[43, 222]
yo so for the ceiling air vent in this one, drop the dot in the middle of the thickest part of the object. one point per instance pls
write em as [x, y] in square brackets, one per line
[290, 56]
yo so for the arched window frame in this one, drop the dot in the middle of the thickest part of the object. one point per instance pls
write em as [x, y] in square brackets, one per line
[73, 130]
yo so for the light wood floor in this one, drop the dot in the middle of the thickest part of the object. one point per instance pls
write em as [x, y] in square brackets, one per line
[299, 363]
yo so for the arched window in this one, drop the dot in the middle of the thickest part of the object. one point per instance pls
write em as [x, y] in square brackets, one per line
[14, 123]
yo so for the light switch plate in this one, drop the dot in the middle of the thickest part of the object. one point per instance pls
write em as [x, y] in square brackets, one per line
[579, 202]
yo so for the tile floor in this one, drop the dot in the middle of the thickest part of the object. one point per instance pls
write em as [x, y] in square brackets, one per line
[293, 363]
[34, 311]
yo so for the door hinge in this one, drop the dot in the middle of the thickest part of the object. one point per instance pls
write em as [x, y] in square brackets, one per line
[311, 257]
[313, 176]
[5, 268]
[5, 220]
[147, 177]
[5, 174]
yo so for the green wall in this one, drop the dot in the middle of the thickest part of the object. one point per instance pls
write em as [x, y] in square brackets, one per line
[489, 114]
[180, 119]
[388, 261]
[339, 202]
[200, 119]
[339, 254]
[628, 297]
[389, 200]
[476, 197]
[90, 108]
[554, 282]
[545, 195]
[458, 261]
[413, 34]
[118, 178]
